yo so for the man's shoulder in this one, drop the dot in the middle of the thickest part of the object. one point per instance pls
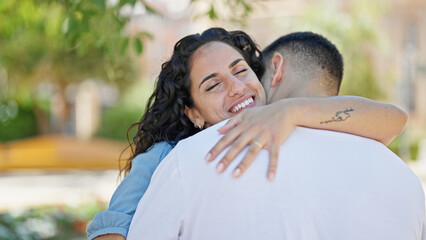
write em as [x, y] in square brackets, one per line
[190, 151]
[332, 135]
[320, 141]
[202, 140]
[351, 150]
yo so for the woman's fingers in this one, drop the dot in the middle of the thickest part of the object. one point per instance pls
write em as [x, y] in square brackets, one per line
[234, 150]
[233, 122]
[274, 151]
[251, 154]
[273, 160]
[270, 126]
[224, 142]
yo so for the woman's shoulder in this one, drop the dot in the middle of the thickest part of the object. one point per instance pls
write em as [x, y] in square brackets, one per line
[161, 147]
[158, 150]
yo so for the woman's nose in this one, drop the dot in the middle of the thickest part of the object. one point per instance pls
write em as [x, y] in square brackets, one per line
[237, 87]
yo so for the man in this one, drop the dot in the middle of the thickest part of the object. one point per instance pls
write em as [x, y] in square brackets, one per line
[328, 185]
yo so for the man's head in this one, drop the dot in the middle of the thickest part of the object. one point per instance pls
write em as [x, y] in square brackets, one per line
[301, 64]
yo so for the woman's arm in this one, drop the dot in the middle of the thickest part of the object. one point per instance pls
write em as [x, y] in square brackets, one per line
[110, 236]
[115, 221]
[352, 114]
[269, 126]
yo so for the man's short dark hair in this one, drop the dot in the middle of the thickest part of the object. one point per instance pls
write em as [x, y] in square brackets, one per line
[311, 48]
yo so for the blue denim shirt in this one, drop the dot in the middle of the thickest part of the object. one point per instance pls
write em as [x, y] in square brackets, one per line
[117, 218]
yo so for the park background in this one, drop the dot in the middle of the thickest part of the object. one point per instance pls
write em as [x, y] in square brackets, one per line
[75, 74]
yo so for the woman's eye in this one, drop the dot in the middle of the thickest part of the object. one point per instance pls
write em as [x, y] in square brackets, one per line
[211, 87]
[241, 71]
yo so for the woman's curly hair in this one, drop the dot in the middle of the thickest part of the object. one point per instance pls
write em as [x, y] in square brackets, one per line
[165, 119]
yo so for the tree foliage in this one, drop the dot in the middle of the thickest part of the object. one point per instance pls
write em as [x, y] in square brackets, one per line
[61, 41]
[68, 41]
[355, 31]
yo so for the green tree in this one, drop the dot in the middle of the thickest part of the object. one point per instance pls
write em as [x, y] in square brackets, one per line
[67, 41]
[60, 42]
[353, 27]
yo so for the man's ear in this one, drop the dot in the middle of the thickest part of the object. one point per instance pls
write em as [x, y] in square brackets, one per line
[277, 64]
[194, 115]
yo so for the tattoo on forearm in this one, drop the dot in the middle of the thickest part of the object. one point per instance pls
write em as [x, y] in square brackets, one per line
[340, 116]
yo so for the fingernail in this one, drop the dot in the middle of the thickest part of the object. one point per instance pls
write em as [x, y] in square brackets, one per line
[208, 156]
[237, 173]
[220, 167]
[271, 176]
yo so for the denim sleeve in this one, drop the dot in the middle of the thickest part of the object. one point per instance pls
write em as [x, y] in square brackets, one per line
[116, 219]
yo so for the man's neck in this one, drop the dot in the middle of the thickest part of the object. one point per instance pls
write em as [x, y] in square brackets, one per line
[311, 90]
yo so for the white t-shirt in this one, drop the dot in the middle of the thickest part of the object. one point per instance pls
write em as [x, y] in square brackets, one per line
[328, 185]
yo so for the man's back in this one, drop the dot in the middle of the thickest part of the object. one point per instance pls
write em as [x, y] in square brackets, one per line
[328, 186]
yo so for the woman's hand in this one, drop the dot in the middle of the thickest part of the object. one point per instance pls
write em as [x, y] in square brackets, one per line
[262, 127]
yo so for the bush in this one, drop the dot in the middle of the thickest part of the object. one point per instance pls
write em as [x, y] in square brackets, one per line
[22, 126]
[117, 120]
[413, 146]
[48, 223]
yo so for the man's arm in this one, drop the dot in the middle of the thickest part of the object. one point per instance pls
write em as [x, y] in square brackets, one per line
[160, 212]
[423, 237]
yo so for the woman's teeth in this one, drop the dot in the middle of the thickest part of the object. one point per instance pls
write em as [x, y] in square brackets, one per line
[242, 105]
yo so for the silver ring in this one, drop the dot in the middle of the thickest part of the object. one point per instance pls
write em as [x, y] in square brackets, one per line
[258, 144]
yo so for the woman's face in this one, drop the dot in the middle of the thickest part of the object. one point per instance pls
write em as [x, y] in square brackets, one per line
[222, 84]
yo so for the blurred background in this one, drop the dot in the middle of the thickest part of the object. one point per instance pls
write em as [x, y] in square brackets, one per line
[75, 74]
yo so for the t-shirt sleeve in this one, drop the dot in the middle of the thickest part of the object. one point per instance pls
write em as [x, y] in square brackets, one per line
[160, 213]
[116, 219]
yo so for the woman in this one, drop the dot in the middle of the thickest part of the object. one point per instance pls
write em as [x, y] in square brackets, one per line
[186, 100]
